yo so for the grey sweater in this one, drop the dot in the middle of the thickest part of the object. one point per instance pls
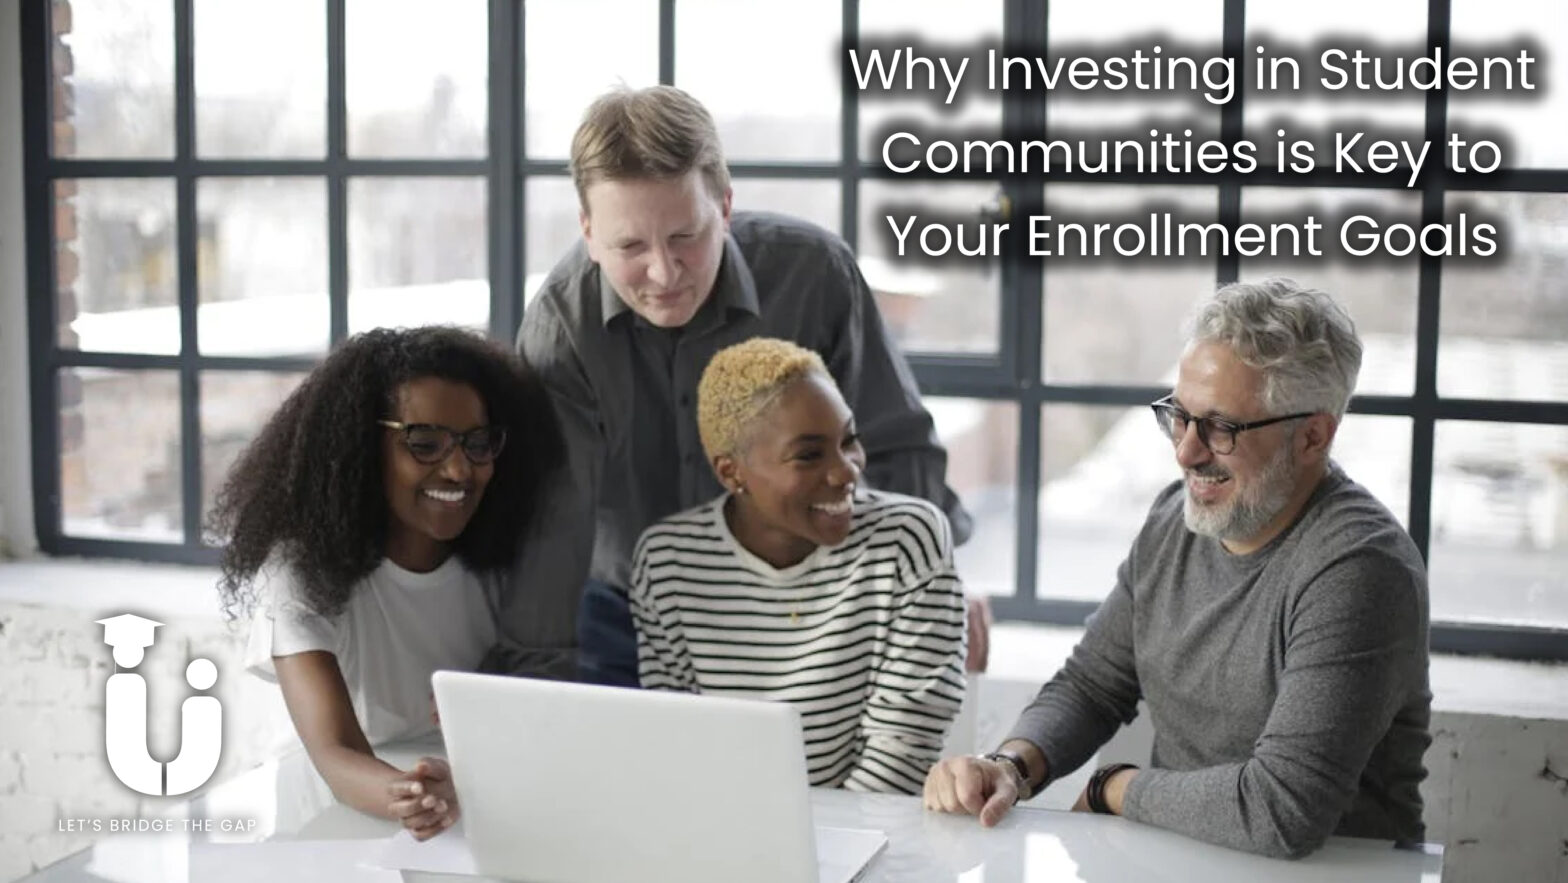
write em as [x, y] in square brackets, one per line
[1288, 687]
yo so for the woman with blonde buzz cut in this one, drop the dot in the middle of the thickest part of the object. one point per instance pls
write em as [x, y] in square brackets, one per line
[799, 585]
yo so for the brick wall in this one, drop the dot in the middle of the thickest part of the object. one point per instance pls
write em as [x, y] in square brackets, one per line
[52, 761]
[67, 264]
[15, 453]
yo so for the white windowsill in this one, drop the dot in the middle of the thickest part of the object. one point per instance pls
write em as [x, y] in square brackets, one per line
[1019, 652]
[111, 586]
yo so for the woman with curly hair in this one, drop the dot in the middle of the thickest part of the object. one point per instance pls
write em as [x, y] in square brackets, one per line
[368, 526]
[801, 586]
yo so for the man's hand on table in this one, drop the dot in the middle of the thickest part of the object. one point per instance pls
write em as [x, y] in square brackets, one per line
[972, 785]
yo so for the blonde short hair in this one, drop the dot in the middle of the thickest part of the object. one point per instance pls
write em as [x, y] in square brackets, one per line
[657, 132]
[741, 382]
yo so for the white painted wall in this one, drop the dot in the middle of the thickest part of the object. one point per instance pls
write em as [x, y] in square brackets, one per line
[52, 764]
[16, 488]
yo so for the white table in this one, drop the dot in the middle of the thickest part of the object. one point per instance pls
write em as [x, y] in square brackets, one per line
[1030, 845]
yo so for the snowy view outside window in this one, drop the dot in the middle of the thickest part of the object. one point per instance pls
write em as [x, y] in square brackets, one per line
[418, 245]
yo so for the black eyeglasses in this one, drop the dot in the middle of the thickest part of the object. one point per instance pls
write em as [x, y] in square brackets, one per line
[431, 444]
[1216, 434]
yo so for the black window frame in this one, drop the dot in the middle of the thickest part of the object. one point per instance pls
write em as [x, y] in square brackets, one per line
[1012, 374]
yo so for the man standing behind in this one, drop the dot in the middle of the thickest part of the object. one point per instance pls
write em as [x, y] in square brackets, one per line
[1272, 613]
[665, 276]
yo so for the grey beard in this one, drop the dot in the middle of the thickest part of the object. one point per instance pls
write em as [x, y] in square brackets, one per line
[1247, 514]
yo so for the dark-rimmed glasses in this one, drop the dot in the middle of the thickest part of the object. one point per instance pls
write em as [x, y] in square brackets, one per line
[1217, 434]
[430, 444]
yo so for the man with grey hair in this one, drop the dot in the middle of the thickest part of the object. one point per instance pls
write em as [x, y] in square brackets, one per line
[1271, 613]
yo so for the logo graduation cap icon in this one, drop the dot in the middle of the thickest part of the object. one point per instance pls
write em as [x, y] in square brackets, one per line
[125, 716]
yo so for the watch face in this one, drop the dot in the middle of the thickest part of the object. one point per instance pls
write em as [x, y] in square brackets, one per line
[1019, 769]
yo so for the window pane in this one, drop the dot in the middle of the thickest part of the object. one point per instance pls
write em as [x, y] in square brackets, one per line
[1500, 523]
[417, 253]
[951, 305]
[262, 266]
[1379, 294]
[416, 80]
[115, 267]
[261, 78]
[768, 74]
[1532, 119]
[1375, 452]
[1503, 320]
[113, 75]
[553, 228]
[1196, 25]
[120, 454]
[933, 23]
[1119, 321]
[627, 53]
[814, 201]
[234, 407]
[1101, 468]
[981, 438]
[1312, 111]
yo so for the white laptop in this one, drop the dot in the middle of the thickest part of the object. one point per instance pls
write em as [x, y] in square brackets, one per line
[570, 783]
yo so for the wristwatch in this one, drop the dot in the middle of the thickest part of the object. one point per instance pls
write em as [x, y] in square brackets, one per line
[1014, 763]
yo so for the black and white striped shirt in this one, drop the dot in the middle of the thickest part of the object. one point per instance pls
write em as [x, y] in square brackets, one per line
[866, 638]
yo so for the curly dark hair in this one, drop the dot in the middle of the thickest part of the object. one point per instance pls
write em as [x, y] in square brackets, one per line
[310, 485]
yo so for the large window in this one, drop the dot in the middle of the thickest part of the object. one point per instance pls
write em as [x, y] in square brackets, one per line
[219, 192]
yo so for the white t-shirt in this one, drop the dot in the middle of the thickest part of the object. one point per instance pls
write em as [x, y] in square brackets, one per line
[396, 630]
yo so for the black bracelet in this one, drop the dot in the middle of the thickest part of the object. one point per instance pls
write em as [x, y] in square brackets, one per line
[1094, 795]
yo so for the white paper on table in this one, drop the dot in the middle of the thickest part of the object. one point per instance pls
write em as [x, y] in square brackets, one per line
[445, 853]
[297, 861]
[844, 854]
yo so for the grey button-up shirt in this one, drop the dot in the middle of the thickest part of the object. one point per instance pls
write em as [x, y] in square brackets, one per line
[625, 392]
